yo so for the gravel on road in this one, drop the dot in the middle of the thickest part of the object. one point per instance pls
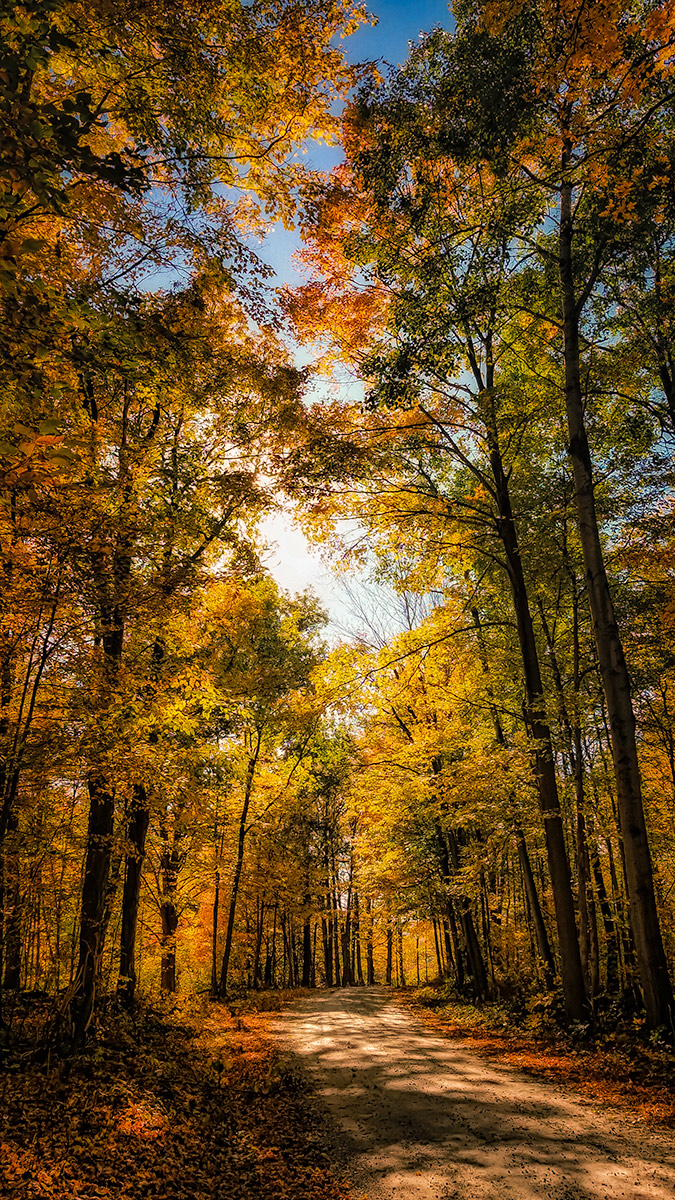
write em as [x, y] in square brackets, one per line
[414, 1116]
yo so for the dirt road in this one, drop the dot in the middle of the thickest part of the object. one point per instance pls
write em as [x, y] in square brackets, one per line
[412, 1115]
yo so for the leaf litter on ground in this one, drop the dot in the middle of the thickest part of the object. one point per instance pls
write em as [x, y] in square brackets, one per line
[618, 1069]
[188, 1104]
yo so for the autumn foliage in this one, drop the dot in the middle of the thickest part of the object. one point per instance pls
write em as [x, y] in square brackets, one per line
[202, 790]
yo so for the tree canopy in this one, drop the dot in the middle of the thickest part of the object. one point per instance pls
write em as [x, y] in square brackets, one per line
[201, 786]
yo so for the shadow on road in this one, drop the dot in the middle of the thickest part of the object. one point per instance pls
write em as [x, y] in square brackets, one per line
[411, 1114]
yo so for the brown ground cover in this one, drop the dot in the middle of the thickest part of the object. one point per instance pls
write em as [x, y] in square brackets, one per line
[183, 1105]
[619, 1069]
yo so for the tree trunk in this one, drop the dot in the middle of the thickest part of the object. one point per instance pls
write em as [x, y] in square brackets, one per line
[439, 955]
[241, 841]
[169, 869]
[214, 934]
[534, 907]
[449, 851]
[574, 990]
[307, 944]
[390, 955]
[358, 974]
[652, 965]
[447, 942]
[347, 978]
[92, 910]
[454, 934]
[370, 963]
[260, 921]
[327, 934]
[336, 933]
[138, 827]
[611, 939]
[11, 908]
[588, 928]
[399, 941]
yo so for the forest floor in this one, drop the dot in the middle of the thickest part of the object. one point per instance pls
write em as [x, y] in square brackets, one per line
[619, 1068]
[188, 1103]
[346, 1093]
[430, 1108]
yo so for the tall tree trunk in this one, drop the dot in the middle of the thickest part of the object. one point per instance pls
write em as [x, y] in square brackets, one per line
[95, 892]
[336, 930]
[358, 974]
[346, 948]
[652, 964]
[588, 919]
[274, 944]
[531, 893]
[447, 942]
[241, 841]
[611, 940]
[307, 943]
[450, 862]
[439, 954]
[370, 962]
[399, 946]
[454, 934]
[12, 907]
[588, 928]
[347, 977]
[214, 933]
[327, 934]
[169, 870]
[390, 954]
[260, 923]
[574, 990]
[534, 907]
[139, 820]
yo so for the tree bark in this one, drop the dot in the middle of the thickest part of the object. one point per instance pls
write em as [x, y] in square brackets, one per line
[399, 941]
[92, 910]
[370, 963]
[454, 934]
[574, 990]
[534, 907]
[214, 933]
[531, 893]
[358, 974]
[449, 855]
[611, 939]
[241, 841]
[11, 908]
[138, 827]
[336, 931]
[439, 955]
[327, 934]
[307, 942]
[260, 924]
[169, 870]
[651, 959]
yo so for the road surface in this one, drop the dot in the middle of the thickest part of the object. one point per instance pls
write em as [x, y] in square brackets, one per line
[414, 1116]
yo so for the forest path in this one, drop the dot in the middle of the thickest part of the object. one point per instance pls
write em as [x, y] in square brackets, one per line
[412, 1115]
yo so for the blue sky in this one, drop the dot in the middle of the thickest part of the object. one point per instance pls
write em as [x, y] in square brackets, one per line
[293, 563]
[398, 24]
[388, 41]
